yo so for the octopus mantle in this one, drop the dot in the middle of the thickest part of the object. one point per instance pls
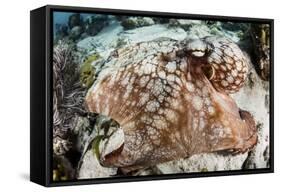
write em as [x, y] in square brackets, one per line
[172, 100]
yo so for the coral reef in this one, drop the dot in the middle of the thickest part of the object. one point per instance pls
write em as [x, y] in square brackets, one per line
[260, 36]
[135, 22]
[75, 20]
[68, 97]
[87, 71]
[94, 24]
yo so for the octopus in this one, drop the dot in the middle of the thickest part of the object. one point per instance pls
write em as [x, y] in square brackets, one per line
[172, 99]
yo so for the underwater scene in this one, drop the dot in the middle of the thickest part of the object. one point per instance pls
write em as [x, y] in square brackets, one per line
[137, 96]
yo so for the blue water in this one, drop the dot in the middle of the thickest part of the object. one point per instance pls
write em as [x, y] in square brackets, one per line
[60, 18]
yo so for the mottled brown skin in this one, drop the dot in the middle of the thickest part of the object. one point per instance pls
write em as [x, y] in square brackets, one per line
[171, 100]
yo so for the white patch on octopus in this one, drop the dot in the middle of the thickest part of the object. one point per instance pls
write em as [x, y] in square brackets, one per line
[153, 133]
[171, 77]
[245, 69]
[234, 73]
[116, 97]
[171, 67]
[215, 66]
[168, 89]
[198, 47]
[138, 140]
[148, 68]
[157, 87]
[144, 97]
[187, 97]
[205, 91]
[161, 98]
[152, 106]
[207, 101]
[150, 84]
[129, 89]
[133, 103]
[125, 81]
[144, 80]
[202, 113]
[223, 67]
[230, 79]
[162, 74]
[170, 115]
[211, 110]
[224, 83]
[216, 58]
[106, 109]
[237, 82]
[198, 53]
[239, 65]
[176, 87]
[234, 87]
[190, 86]
[175, 103]
[195, 123]
[130, 125]
[183, 65]
[201, 123]
[229, 52]
[178, 80]
[229, 67]
[227, 131]
[222, 76]
[197, 102]
[199, 84]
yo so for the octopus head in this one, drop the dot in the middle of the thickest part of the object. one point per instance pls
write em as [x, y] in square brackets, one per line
[197, 48]
[221, 60]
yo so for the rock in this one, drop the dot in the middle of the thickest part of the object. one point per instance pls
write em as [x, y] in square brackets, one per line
[260, 36]
[90, 168]
[201, 30]
[159, 20]
[94, 24]
[61, 31]
[184, 23]
[75, 32]
[135, 22]
[150, 33]
[61, 145]
[83, 130]
[75, 20]
[62, 169]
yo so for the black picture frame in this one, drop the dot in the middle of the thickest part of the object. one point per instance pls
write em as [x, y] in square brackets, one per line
[41, 32]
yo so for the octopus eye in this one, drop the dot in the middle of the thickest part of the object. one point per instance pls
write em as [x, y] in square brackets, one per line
[198, 53]
[197, 48]
[230, 66]
[209, 71]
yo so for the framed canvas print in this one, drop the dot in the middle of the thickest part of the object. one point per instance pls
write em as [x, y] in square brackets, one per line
[119, 95]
